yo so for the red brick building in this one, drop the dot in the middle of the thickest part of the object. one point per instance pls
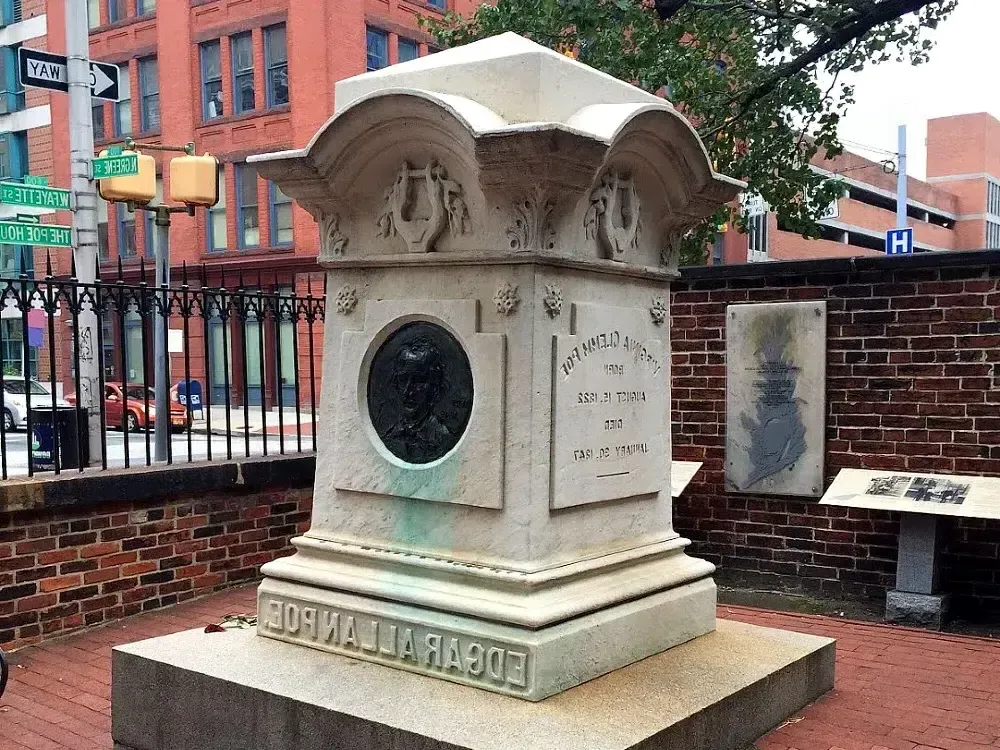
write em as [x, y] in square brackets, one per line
[237, 78]
[956, 208]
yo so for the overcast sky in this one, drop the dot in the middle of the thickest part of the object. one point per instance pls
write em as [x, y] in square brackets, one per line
[960, 78]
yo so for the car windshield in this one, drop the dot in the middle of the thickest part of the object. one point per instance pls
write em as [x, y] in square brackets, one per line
[16, 387]
[136, 392]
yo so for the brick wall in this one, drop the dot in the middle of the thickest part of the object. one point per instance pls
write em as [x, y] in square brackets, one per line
[76, 566]
[913, 383]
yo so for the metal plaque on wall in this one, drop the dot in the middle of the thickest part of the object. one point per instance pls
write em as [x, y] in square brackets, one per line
[776, 398]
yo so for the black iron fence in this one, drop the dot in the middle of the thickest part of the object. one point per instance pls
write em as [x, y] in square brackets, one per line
[243, 365]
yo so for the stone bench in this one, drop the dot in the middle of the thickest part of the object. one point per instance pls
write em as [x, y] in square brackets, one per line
[921, 499]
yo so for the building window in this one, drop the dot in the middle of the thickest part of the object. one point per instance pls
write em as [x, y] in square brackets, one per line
[97, 118]
[757, 232]
[12, 350]
[211, 81]
[718, 250]
[242, 53]
[276, 63]
[992, 235]
[93, 13]
[281, 216]
[123, 107]
[217, 238]
[102, 230]
[142, 7]
[439, 4]
[993, 197]
[126, 231]
[247, 217]
[149, 93]
[117, 10]
[13, 155]
[408, 50]
[378, 48]
[11, 90]
[10, 11]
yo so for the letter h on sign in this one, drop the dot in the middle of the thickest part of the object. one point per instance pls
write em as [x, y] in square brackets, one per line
[899, 241]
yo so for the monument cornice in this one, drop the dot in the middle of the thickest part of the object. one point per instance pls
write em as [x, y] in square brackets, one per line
[444, 260]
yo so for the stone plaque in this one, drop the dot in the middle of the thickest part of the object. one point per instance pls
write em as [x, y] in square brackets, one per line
[610, 392]
[420, 392]
[776, 398]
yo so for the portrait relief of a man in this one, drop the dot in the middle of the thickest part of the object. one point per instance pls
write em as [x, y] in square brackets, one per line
[419, 392]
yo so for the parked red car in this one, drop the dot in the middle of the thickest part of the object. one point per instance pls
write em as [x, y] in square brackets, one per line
[119, 411]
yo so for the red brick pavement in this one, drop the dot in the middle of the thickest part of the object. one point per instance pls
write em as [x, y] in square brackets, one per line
[897, 689]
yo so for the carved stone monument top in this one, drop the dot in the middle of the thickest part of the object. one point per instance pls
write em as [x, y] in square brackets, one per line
[430, 156]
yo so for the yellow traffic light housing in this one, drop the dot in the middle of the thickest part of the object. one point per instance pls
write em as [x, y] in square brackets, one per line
[194, 180]
[140, 188]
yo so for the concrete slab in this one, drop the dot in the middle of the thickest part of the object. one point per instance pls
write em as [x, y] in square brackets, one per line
[234, 690]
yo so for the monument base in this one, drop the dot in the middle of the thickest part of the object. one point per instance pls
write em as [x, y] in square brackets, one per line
[918, 610]
[235, 690]
[510, 659]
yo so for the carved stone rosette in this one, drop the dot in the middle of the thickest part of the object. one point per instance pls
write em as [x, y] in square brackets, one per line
[613, 215]
[347, 299]
[552, 300]
[531, 230]
[506, 299]
[443, 204]
[334, 241]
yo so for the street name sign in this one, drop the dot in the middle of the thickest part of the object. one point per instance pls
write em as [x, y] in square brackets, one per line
[44, 70]
[46, 235]
[19, 194]
[899, 241]
[36, 179]
[103, 167]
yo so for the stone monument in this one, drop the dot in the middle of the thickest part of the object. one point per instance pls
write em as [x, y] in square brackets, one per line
[499, 225]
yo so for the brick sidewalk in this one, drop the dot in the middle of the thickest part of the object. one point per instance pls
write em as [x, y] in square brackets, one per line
[897, 689]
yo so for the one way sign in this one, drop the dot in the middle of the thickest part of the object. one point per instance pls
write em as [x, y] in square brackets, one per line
[43, 70]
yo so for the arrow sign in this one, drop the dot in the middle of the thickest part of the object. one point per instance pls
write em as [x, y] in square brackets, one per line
[43, 70]
[104, 81]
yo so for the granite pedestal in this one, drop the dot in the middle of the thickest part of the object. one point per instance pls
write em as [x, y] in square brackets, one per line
[916, 600]
[235, 691]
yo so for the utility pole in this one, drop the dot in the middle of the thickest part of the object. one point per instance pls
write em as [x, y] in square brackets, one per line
[81, 151]
[901, 181]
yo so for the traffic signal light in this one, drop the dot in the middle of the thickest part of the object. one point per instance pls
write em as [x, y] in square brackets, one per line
[194, 180]
[140, 188]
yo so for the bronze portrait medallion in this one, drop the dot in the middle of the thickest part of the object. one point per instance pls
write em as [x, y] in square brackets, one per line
[420, 392]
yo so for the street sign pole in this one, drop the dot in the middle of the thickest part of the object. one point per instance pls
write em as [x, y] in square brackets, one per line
[161, 385]
[81, 151]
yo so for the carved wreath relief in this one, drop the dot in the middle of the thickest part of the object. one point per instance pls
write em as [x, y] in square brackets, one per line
[613, 216]
[506, 298]
[347, 299]
[532, 228]
[419, 205]
[658, 311]
[334, 240]
[552, 300]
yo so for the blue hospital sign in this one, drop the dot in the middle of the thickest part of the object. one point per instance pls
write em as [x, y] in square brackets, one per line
[899, 241]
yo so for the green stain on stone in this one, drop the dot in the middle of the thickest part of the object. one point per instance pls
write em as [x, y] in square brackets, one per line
[423, 522]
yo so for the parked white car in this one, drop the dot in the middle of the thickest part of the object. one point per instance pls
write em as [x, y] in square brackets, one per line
[16, 402]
